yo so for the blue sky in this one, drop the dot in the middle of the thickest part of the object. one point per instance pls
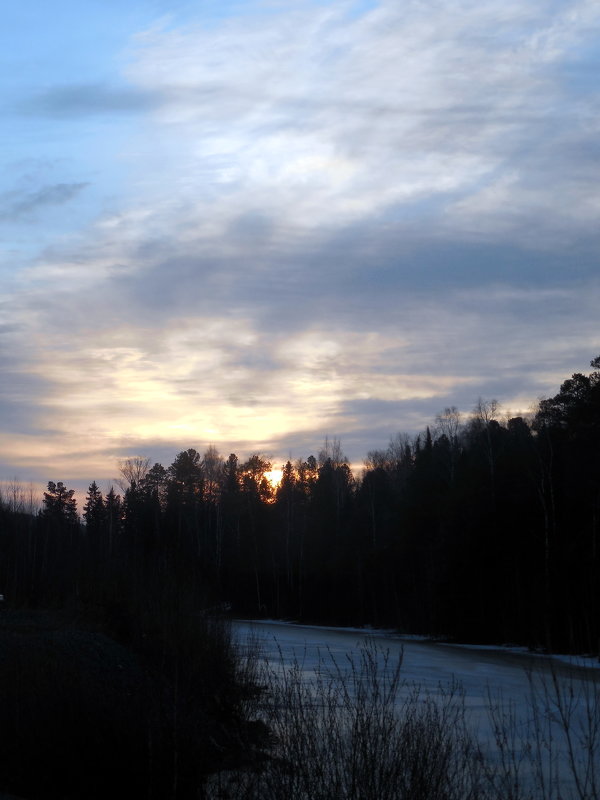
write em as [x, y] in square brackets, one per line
[255, 224]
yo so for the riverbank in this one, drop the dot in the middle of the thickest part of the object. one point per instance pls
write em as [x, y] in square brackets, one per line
[82, 712]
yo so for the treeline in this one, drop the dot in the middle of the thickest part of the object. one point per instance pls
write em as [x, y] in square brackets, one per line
[481, 529]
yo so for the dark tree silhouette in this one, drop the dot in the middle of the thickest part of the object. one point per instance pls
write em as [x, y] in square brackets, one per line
[94, 510]
[479, 529]
[60, 505]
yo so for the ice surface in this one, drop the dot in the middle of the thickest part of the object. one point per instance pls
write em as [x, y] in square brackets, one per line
[522, 685]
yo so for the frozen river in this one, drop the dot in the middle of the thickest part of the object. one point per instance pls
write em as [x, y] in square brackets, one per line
[551, 705]
[479, 669]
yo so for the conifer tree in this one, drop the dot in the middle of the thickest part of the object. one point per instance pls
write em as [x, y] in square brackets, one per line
[94, 510]
[60, 504]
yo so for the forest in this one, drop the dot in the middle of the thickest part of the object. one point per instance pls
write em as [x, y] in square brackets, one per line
[117, 665]
[480, 529]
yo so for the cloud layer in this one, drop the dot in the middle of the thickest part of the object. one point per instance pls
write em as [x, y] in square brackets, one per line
[325, 220]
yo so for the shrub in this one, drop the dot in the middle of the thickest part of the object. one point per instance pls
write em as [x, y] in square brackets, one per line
[357, 731]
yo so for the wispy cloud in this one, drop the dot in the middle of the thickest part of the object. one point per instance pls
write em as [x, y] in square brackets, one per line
[17, 205]
[331, 223]
[334, 119]
[75, 100]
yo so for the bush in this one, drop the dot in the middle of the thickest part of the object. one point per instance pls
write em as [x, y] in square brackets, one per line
[356, 731]
[82, 714]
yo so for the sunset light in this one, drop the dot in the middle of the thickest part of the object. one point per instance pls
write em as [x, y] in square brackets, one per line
[342, 257]
[274, 477]
[299, 321]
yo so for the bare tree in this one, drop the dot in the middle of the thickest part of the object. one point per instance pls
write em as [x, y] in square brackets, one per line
[18, 497]
[332, 452]
[213, 469]
[484, 414]
[486, 410]
[448, 423]
[377, 459]
[398, 448]
[133, 471]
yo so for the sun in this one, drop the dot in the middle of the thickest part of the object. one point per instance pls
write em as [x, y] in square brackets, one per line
[274, 477]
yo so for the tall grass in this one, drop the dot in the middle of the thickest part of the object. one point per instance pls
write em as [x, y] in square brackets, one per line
[354, 730]
[552, 753]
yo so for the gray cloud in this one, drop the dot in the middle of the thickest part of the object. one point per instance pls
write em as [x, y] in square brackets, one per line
[18, 205]
[332, 227]
[350, 275]
[77, 100]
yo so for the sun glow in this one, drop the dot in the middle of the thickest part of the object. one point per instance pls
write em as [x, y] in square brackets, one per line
[274, 477]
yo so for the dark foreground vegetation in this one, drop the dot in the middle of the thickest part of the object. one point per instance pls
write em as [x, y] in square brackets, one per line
[86, 712]
[353, 729]
[480, 529]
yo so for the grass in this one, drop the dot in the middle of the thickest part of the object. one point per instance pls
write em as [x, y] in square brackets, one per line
[357, 731]
[554, 752]
[354, 730]
[177, 710]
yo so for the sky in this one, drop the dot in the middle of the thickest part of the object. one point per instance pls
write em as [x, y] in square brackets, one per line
[256, 224]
